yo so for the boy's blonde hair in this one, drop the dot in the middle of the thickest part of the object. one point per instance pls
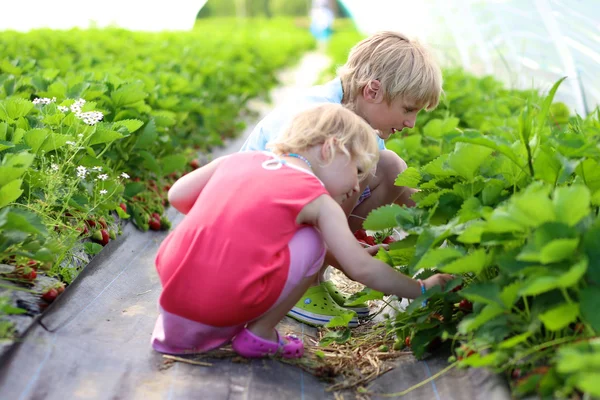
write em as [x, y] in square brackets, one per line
[335, 126]
[404, 67]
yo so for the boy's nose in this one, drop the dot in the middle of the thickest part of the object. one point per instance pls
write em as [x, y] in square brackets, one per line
[410, 123]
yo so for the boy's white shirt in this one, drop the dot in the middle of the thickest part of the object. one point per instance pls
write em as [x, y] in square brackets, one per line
[276, 122]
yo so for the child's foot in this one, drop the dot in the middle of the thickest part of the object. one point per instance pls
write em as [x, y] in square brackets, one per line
[362, 309]
[250, 345]
[317, 308]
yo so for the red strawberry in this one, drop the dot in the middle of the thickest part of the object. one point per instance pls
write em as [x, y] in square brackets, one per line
[32, 263]
[26, 273]
[388, 240]
[123, 207]
[102, 222]
[370, 240]
[84, 230]
[407, 341]
[465, 305]
[50, 295]
[456, 289]
[60, 287]
[154, 224]
[91, 223]
[195, 163]
[155, 215]
[101, 236]
[360, 234]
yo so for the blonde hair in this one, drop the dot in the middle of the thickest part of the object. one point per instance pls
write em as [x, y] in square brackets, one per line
[335, 126]
[404, 67]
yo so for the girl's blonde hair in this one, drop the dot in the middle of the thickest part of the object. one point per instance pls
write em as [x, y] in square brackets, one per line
[404, 67]
[335, 126]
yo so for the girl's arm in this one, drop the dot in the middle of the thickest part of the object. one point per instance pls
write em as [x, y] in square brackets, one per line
[185, 191]
[354, 260]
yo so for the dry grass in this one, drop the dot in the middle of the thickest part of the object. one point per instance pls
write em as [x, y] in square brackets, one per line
[346, 366]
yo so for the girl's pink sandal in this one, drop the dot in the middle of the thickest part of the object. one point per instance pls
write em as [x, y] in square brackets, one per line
[247, 344]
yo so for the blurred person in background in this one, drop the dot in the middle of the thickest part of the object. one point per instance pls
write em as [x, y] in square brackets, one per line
[321, 22]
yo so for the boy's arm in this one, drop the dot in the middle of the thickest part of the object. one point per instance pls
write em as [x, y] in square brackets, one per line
[185, 191]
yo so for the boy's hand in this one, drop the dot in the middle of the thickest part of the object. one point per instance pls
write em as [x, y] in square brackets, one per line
[437, 279]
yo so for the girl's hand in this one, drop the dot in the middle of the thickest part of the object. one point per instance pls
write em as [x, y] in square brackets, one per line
[372, 250]
[437, 279]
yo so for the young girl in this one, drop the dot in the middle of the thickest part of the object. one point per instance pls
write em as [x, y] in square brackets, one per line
[254, 237]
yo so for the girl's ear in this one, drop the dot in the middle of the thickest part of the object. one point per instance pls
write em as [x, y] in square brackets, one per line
[325, 152]
[372, 92]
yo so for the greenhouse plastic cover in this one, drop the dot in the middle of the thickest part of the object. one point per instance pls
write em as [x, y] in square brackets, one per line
[525, 43]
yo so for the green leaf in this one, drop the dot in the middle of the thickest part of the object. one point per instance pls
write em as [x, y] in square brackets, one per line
[14, 108]
[128, 95]
[515, 340]
[103, 135]
[484, 292]
[558, 250]
[21, 220]
[474, 262]
[35, 138]
[362, 296]
[560, 317]
[10, 192]
[571, 203]
[131, 125]
[590, 304]
[172, 163]
[340, 337]
[494, 143]
[437, 167]
[436, 257]
[587, 382]
[574, 275]
[382, 218]
[341, 320]
[133, 188]
[546, 165]
[467, 158]
[533, 206]
[589, 171]
[148, 136]
[541, 284]
[543, 115]
[92, 248]
[54, 141]
[410, 177]
[5, 145]
[150, 162]
[470, 210]
[472, 233]
[475, 321]
[591, 246]
[510, 293]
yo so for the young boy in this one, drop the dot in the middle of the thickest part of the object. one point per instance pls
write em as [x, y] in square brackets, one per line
[387, 79]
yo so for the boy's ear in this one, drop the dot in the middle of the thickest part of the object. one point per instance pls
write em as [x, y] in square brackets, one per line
[372, 91]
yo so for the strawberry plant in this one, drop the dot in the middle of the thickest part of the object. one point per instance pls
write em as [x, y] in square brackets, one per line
[83, 111]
